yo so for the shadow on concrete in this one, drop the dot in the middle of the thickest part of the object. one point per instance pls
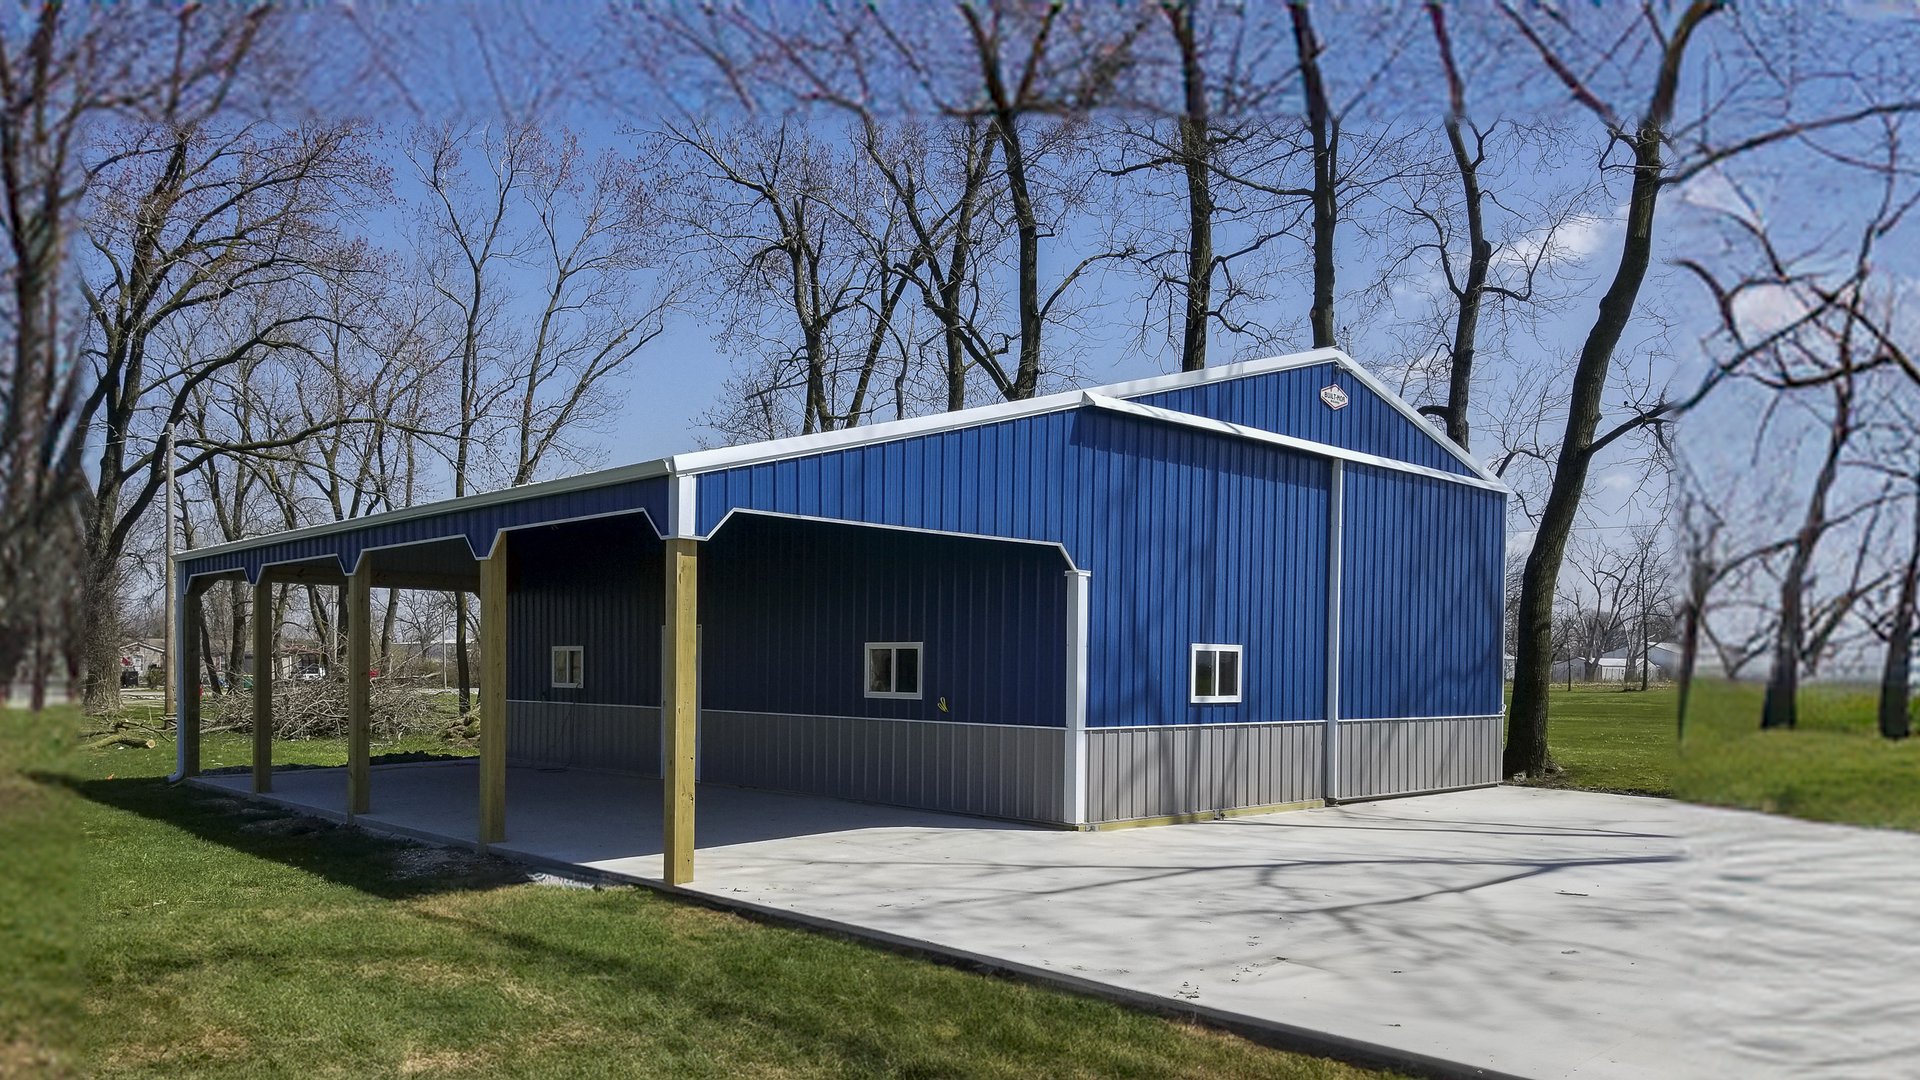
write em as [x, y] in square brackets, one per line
[604, 822]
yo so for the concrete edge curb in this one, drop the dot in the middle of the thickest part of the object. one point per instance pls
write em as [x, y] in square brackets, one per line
[1271, 1033]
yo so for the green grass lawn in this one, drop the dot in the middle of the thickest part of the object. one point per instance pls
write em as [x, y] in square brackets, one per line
[156, 931]
[1833, 767]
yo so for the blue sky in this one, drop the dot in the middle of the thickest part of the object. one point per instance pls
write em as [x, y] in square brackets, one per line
[438, 62]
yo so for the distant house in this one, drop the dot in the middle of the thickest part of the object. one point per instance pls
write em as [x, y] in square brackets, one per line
[1663, 658]
[142, 653]
[292, 662]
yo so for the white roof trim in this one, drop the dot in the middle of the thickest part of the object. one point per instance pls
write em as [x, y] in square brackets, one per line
[702, 461]
[584, 482]
[1260, 435]
[730, 457]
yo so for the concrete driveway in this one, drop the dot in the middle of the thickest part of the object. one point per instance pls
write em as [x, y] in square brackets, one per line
[1540, 933]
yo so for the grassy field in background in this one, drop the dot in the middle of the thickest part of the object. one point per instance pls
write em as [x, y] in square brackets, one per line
[155, 931]
[1833, 767]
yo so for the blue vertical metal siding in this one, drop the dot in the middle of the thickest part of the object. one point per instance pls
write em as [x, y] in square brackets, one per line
[1191, 537]
[1288, 402]
[1203, 540]
[595, 584]
[476, 525]
[786, 608]
[1422, 573]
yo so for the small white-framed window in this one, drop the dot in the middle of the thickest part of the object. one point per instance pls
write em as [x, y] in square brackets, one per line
[567, 666]
[1215, 674]
[893, 669]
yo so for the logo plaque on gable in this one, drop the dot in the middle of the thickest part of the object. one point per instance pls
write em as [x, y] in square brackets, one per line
[1334, 397]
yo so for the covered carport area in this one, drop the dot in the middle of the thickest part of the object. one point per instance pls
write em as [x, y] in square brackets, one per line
[603, 560]
[463, 545]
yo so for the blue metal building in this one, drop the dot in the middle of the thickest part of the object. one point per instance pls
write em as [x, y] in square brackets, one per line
[1258, 585]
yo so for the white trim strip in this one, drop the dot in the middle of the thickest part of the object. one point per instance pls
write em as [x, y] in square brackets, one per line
[1416, 719]
[703, 461]
[1211, 724]
[1260, 435]
[729, 457]
[1054, 544]
[1079, 592]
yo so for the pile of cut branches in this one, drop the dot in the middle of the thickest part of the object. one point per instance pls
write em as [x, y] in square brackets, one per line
[318, 710]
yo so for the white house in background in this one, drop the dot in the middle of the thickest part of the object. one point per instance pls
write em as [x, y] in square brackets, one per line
[1624, 663]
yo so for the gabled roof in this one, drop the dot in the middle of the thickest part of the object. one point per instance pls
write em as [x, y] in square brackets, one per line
[1113, 396]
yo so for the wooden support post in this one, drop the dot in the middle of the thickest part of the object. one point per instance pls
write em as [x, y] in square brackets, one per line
[186, 678]
[679, 713]
[263, 636]
[493, 694]
[359, 605]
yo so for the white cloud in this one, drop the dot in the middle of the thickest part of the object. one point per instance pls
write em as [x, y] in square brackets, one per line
[1767, 309]
[1574, 241]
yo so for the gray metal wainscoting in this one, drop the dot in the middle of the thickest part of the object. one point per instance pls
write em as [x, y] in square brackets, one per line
[1164, 771]
[1404, 757]
[622, 738]
[986, 769]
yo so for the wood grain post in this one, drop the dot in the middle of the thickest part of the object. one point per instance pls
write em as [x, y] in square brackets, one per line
[493, 694]
[679, 714]
[263, 638]
[359, 605]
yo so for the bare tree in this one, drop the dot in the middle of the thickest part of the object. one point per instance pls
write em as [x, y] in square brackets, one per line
[814, 250]
[66, 72]
[1027, 78]
[1646, 134]
[527, 383]
[188, 212]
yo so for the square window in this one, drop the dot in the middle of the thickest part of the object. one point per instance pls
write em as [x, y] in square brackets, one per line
[567, 666]
[893, 669]
[1215, 678]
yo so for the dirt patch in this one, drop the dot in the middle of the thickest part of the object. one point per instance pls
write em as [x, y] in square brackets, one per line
[437, 1062]
[20, 1057]
[453, 866]
[201, 1044]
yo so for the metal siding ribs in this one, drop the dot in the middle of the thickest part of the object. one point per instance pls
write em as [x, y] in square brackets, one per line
[1191, 536]
[1288, 403]
[1421, 611]
[789, 606]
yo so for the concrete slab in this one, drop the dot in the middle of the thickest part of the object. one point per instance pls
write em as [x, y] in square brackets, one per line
[1539, 933]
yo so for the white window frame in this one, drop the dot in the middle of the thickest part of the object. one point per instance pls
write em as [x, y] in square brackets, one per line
[577, 665]
[1193, 674]
[920, 669]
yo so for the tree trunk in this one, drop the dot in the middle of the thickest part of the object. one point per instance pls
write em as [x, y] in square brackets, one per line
[460, 651]
[386, 630]
[1896, 677]
[1526, 749]
[1466, 328]
[1780, 709]
[1324, 130]
[1027, 378]
[237, 600]
[1196, 156]
[100, 616]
